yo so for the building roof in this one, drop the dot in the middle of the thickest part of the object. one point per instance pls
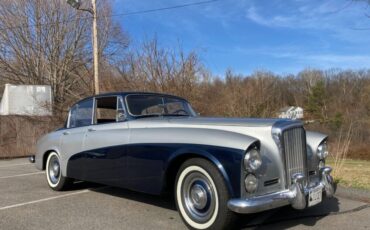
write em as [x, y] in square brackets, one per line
[285, 109]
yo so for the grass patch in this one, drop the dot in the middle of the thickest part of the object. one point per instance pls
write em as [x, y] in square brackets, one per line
[354, 173]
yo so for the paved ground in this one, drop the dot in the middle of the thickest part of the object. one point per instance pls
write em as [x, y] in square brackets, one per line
[26, 202]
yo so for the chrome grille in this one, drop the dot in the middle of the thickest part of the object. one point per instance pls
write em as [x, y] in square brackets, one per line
[294, 142]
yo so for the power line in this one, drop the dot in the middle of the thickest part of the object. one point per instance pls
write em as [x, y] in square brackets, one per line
[165, 8]
[114, 15]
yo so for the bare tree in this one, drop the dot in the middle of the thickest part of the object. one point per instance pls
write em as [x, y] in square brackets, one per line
[48, 42]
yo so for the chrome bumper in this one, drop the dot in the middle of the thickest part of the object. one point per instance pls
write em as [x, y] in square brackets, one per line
[296, 196]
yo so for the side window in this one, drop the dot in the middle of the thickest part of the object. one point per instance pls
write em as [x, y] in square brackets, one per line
[109, 109]
[81, 114]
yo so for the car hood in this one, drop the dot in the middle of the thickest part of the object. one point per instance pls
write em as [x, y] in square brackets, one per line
[253, 127]
[246, 122]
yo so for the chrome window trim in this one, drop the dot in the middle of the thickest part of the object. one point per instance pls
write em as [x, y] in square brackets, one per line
[93, 111]
[119, 98]
[69, 117]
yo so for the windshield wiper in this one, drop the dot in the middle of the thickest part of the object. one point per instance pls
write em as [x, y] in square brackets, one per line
[176, 115]
[149, 115]
[162, 115]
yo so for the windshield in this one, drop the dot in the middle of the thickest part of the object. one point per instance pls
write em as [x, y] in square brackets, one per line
[158, 105]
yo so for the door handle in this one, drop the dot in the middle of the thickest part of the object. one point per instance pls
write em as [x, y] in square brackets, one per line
[91, 130]
[66, 133]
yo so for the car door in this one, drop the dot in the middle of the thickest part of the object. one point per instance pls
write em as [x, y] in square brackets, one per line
[106, 141]
[80, 117]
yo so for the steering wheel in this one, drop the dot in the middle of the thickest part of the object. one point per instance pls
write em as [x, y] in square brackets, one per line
[180, 111]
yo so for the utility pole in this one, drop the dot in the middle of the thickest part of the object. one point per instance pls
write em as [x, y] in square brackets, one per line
[93, 11]
[95, 48]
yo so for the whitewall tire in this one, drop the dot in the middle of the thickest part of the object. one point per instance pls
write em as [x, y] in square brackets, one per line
[201, 196]
[54, 176]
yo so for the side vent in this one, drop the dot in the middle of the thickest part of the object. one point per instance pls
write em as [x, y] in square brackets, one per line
[271, 182]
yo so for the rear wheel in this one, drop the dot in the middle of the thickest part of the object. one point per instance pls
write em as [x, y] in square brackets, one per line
[54, 176]
[201, 196]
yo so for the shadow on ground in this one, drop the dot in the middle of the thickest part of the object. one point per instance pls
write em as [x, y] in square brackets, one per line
[160, 201]
[286, 217]
[281, 218]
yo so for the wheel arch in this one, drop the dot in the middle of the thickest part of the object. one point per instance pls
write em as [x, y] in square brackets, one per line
[176, 161]
[45, 157]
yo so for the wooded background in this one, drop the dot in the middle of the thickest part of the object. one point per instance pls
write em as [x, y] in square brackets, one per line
[48, 42]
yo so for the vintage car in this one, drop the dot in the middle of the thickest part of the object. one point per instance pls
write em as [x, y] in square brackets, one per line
[215, 167]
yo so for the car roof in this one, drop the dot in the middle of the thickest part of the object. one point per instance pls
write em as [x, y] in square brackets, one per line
[124, 94]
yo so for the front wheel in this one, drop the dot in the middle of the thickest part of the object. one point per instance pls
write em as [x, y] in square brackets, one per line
[201, 196]
[54, 176]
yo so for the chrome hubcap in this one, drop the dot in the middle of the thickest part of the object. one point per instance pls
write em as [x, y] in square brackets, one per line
[198, 197]
[54, 170]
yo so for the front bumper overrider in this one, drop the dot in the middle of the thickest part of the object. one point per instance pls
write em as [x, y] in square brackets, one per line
[296, 195]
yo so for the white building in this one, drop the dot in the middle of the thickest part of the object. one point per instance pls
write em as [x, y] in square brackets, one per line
[29, 100]
[291, 112]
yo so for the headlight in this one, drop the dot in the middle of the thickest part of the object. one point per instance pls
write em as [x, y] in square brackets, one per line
[252, 160]
[250, 183]
[322, 150]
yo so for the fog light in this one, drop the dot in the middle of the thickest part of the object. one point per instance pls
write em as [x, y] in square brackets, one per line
[250, 183]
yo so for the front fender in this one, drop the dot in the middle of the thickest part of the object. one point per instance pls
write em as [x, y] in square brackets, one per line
[227, 160]
[314, 139]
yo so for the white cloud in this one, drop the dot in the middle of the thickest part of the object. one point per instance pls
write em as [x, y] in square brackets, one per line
[337, 18]
[357, 61]
[299, 58]
[275, 21]
[325, 60]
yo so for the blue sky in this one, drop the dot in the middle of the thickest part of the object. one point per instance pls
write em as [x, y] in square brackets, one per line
[248, 35]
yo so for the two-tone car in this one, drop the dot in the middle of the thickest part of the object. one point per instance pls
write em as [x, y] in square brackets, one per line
[215, 167]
